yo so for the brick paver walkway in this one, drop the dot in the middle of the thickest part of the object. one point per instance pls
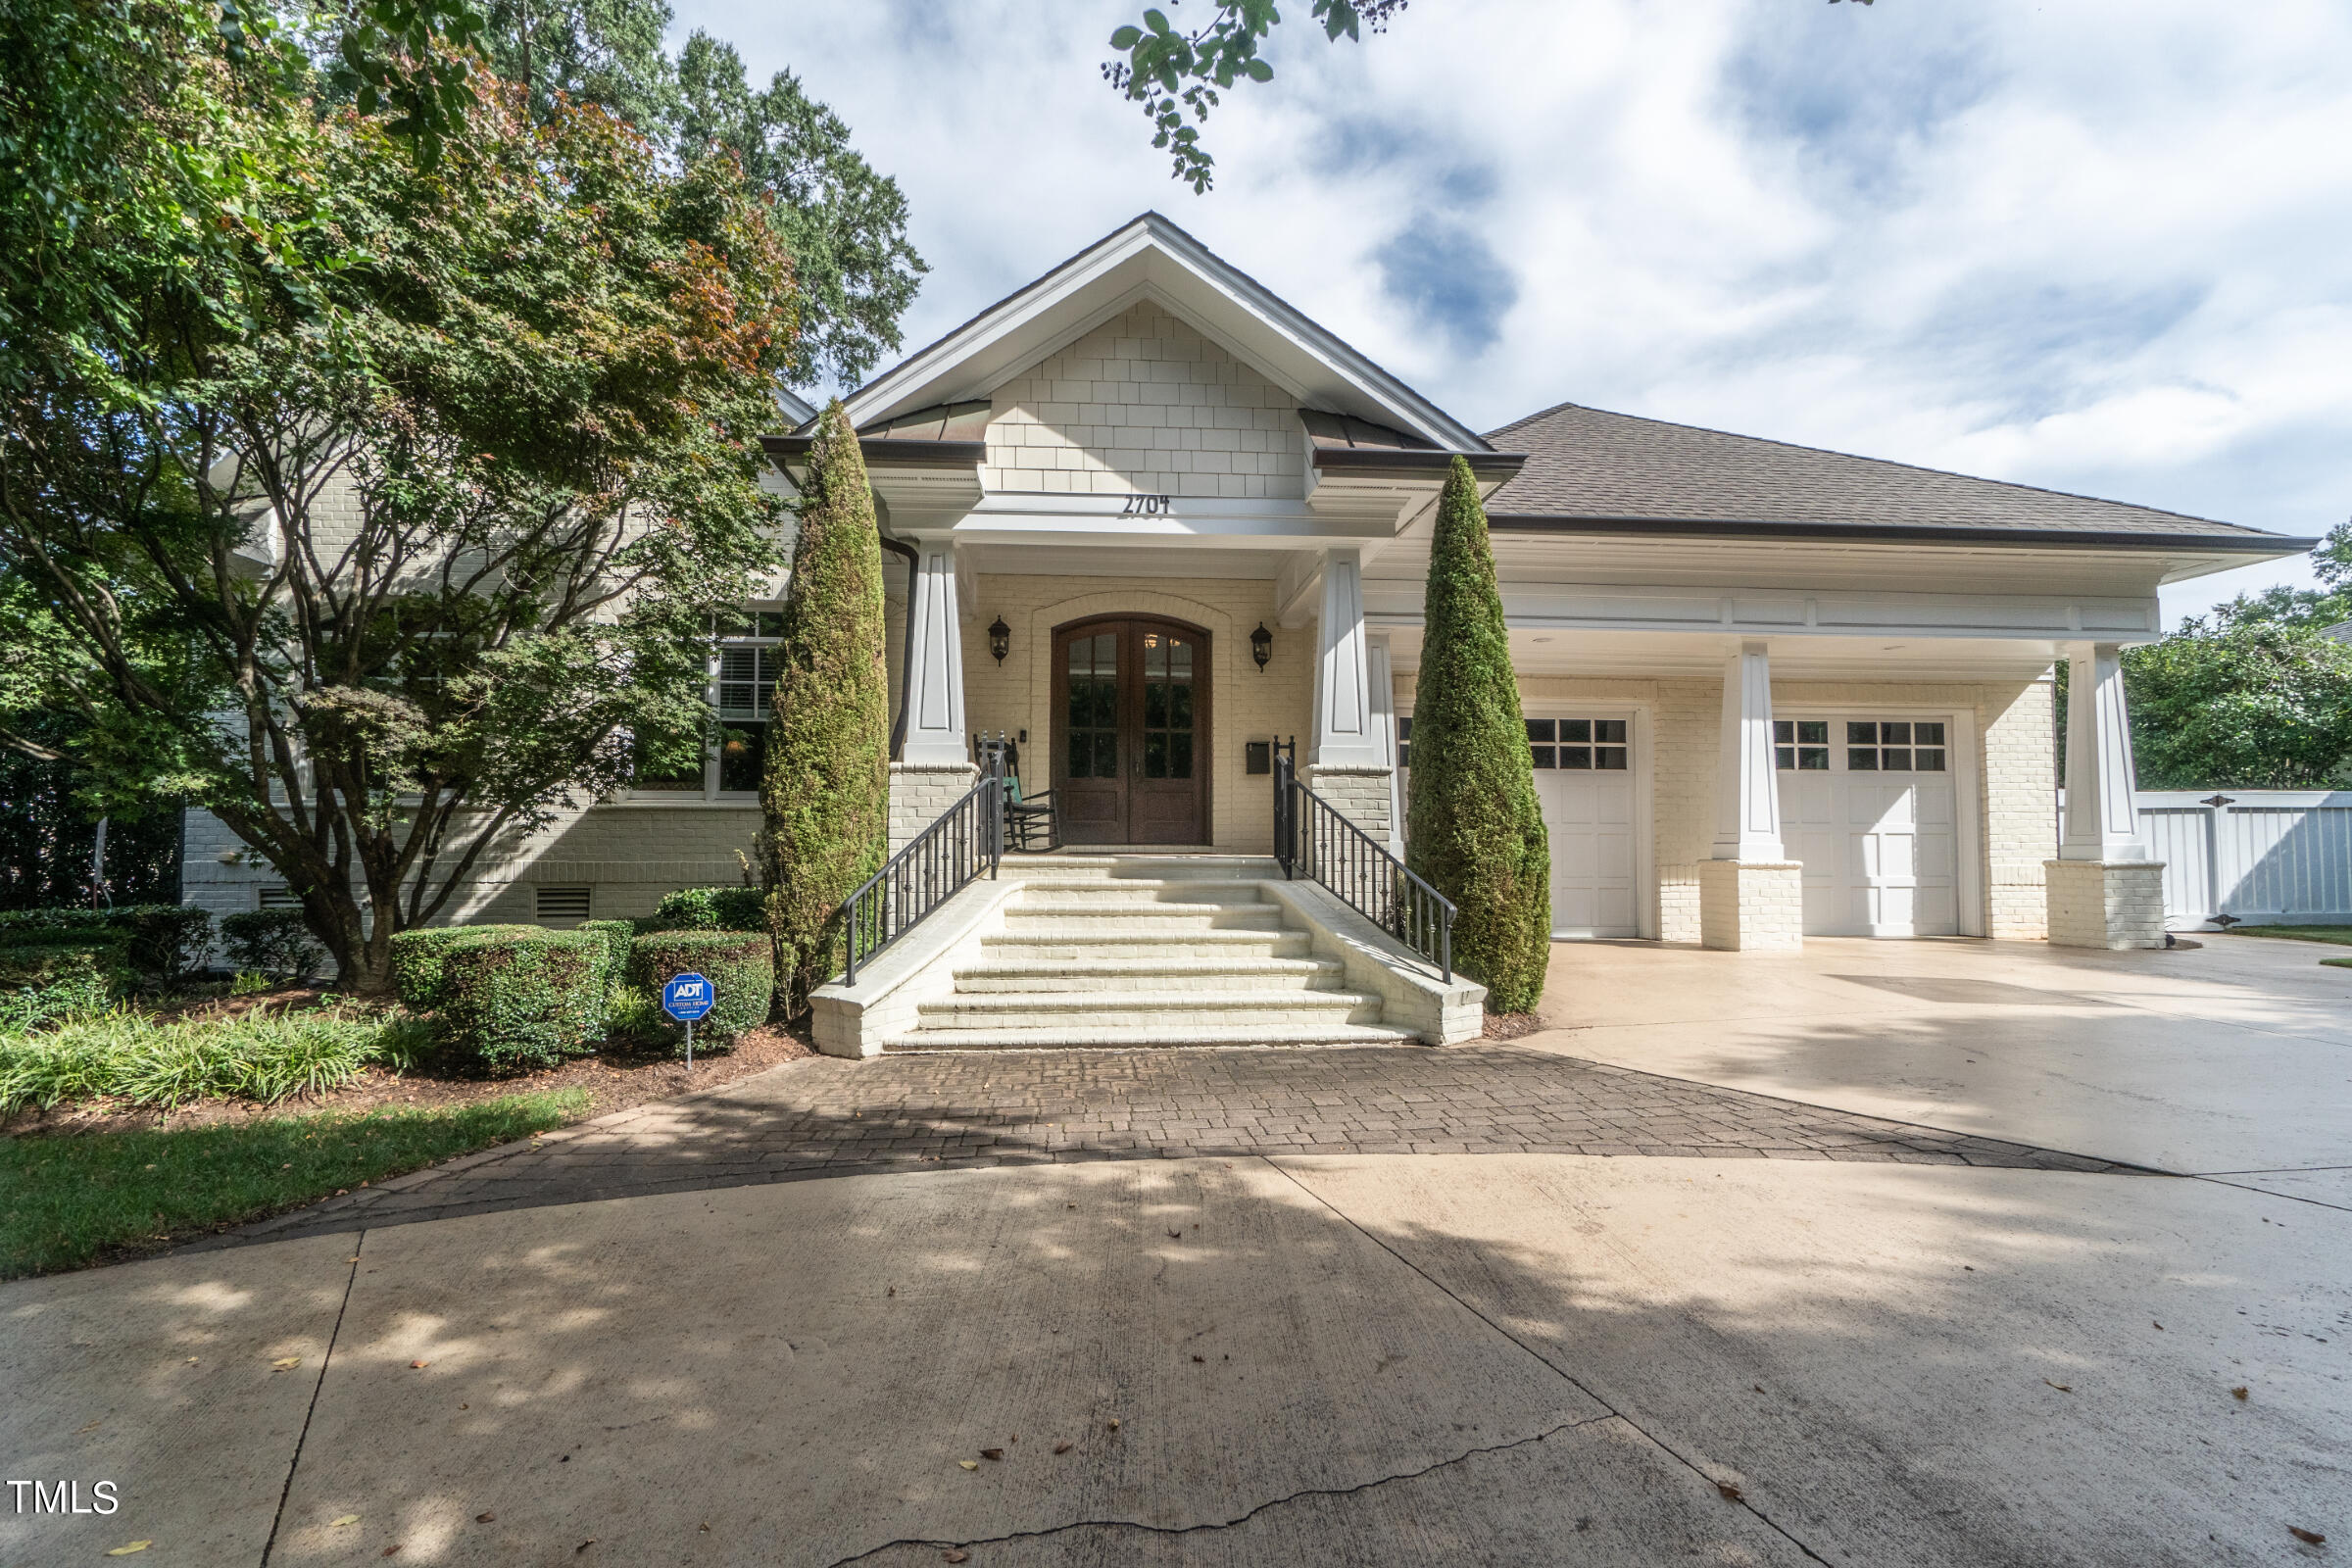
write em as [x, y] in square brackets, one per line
[822, 1117]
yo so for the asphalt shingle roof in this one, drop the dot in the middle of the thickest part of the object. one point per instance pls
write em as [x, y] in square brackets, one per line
[1585, 463]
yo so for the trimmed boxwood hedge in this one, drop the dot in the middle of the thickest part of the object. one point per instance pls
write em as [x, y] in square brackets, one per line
[514, 998]
[723, 908]
[418, 958]
[163, 941]
[615, 935]
[741, 967]
[271, 941]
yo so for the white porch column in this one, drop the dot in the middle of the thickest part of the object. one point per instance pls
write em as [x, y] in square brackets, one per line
[1383, 728]
[935, 767]
[2104, 890]
[1750, 894]
[1348, 764]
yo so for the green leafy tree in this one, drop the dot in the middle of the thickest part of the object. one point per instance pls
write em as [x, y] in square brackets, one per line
[379, 526]
[2260, 705]
[2328, 604]
[1176, 75]
[1474, 829]
[825, 792]
[844, 224]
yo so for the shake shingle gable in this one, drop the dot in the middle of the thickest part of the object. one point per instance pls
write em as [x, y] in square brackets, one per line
[1587, 465]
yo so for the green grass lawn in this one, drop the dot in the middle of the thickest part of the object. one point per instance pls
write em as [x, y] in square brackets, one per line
[71, 1199]
[2341, 935]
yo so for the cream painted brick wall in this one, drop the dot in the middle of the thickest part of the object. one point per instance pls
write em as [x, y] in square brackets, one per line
[1751, 905]
[1246, 703]
[628, 854]
[1358, 793]
[921, 796]
[2095, 904]
[2019, 776]
[1143, 404]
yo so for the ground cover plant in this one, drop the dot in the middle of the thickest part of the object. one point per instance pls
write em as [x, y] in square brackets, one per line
[128, 1055]
[73, 1200]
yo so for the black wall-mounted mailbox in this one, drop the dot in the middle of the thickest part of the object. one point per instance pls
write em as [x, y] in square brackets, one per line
[1257, 757]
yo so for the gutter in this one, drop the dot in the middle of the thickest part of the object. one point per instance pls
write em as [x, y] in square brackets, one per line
[884, 452]
[1416, 461]
[1903, 533]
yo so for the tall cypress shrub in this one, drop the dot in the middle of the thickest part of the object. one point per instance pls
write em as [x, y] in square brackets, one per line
[825, 791]
[1474, 829]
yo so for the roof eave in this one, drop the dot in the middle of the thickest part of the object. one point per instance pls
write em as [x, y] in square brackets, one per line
[884, 452]
[2266, 545]
[1488, 468]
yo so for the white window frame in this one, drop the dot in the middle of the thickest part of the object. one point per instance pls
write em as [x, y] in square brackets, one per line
[711, 794]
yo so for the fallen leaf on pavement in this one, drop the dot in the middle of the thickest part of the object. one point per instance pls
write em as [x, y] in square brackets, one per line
[1730, 1494]
[393, 1551]
[958, 1555]
[583, 1546]
[2237, 1393]
[2062, 1388]
[1175, 1236]
[285, 1363]
[483, 1518]
[92, 1427]
[1200, 1360]
[1114, 1425]
[1063, 1447]
[124, 1552]
[420, 1365]
[2159, 1326]
[2308, 1538]
[347, 1519]
[992, 1454]
[970, 1464]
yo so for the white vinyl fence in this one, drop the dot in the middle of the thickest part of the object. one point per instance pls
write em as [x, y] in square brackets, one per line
[2266, 857]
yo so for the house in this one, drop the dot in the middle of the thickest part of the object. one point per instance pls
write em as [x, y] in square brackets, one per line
[1152, 519]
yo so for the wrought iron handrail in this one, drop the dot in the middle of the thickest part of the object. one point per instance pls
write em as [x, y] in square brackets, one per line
[940, 860]
[1311, 839]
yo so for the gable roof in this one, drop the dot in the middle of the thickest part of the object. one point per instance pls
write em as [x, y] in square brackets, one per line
[1616, 472]
[1152, 257]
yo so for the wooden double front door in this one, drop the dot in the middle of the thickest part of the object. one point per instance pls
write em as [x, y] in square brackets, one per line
[1131, 745]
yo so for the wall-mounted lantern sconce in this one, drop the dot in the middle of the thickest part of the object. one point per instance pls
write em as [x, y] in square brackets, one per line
[999, 638]
[1262, 645]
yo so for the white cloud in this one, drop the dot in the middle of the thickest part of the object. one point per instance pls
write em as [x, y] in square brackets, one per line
[2104, 245]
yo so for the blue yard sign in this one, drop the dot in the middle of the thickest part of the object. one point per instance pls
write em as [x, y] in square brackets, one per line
[686, 998]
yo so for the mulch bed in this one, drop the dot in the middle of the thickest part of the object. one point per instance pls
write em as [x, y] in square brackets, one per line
[1512, 1025]
[617, 1078]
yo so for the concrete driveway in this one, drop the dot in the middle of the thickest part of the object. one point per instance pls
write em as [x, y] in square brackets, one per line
[1501, 1357]
[2232, 1058]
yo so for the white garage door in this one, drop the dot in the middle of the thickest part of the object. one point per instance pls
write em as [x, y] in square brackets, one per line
[1869, 805]
[1585, 780]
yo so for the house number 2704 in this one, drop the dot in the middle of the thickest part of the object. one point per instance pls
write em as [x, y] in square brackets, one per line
[1148, 506]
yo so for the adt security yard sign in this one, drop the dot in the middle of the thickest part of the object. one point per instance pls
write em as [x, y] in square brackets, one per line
[686, 998]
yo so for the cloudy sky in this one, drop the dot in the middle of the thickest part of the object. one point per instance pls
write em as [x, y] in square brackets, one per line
[2100, 245]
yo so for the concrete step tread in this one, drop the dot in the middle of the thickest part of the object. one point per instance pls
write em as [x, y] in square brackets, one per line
[934, 1038]
[1092, 931]
[1148, 1001]
[1064, 903]
[1239, 963]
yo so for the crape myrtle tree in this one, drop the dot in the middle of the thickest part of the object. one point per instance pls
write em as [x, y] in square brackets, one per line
[1474, 829]
[825, 789]
[377, 507]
